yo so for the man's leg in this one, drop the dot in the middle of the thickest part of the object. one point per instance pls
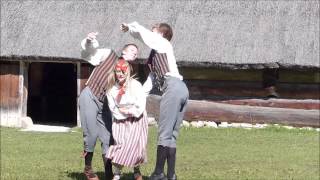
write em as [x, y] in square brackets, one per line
[88, 113]
[183, 99]
[105, 135]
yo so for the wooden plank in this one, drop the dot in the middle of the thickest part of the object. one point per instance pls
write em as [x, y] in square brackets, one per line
[205, 89]
[86, 70]
[285, 75]
[293, 76]
[221, 74]
[3, 93]
[9, 93]
[219, 112]
[278, 103]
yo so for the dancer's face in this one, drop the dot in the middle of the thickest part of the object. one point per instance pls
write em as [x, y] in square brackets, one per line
[130, 53]
[122, 71]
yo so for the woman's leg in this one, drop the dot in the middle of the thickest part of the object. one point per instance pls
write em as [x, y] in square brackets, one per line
[117, 171]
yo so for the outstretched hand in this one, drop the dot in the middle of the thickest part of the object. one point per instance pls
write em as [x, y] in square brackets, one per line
[92, 35]
[124, 27]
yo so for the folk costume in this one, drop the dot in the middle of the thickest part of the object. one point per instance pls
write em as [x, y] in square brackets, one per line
[130, 130]
[96, 124]
[165, 75]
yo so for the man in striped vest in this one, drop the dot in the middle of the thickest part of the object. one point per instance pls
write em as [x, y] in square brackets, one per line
[165, 75]
[94, 115]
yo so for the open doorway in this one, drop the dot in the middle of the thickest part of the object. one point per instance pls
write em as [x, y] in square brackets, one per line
[52, 93]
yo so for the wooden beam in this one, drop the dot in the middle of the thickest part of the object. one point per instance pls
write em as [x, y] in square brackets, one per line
[277, 103]
[220, 112]
[205, 89]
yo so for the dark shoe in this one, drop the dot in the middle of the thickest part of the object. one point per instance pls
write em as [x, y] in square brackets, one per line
[158, 177]
[137, 176]
[89, 173]
[174, 177]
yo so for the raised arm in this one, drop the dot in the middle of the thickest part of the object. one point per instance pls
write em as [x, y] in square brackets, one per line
[151, 39]
[90, 51]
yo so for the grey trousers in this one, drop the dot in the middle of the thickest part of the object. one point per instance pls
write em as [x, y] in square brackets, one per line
[172, 108]
[94, 124]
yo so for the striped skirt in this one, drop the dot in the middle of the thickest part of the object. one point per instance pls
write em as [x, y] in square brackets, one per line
[130, 138]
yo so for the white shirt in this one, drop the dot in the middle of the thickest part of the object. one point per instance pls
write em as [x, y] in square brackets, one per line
[134, 98]
[161, 45]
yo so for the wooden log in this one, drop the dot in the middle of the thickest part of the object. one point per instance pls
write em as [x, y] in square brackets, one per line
[278, 103]
[220, 112]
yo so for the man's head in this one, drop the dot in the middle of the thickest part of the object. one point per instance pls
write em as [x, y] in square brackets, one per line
[164, 29]
[129, 52]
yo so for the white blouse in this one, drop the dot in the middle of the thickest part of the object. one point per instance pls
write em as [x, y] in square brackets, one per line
[134, 99]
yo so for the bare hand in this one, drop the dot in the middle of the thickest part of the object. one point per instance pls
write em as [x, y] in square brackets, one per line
[124, 110]
[124, 27]
[91, 36]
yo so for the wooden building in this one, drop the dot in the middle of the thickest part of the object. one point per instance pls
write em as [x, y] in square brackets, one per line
[230, 52]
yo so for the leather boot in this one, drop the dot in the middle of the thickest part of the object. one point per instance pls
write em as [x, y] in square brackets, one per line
[107, 167]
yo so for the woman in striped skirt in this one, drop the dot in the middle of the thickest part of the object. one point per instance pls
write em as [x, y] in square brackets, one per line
[127, 102]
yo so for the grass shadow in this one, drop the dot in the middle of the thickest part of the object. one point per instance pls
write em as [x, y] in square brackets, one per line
[81, 176]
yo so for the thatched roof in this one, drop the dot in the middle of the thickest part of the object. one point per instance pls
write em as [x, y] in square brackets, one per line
[214, 33]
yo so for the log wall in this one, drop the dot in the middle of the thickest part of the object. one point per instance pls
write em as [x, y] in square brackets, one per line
[222, 112]
[9, 93]
[210, 83]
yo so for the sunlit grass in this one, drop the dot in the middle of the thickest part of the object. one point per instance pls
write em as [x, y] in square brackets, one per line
[232, 153]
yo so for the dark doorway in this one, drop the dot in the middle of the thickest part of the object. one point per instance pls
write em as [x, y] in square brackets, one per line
[52, 97]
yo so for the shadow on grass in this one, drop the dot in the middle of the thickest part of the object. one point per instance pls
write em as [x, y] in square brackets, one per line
[81, 176]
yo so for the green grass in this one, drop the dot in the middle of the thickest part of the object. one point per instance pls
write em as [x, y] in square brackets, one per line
[203, 154]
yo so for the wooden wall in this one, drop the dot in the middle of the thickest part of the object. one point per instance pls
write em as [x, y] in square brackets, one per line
[209, 83]
[9, 93]
[85, 72]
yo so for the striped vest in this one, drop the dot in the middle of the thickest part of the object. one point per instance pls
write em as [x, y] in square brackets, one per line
[158, 64]
[98, 80]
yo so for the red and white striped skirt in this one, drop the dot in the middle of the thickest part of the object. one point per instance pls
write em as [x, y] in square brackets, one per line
[130, 138]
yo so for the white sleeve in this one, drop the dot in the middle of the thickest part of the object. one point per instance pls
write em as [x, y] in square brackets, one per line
[148, 84]
[111, 103]
[151, 39]
[140, 104]
[91, 53]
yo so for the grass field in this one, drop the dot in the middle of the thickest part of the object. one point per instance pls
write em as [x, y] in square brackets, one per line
[203, 154]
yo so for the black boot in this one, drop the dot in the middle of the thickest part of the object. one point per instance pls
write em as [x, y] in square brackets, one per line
[171, 162]
[107, 168]
[88, 171]
[161, 159]
[160, 176]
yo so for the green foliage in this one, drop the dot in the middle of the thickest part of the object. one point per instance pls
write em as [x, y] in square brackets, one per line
[207, 154]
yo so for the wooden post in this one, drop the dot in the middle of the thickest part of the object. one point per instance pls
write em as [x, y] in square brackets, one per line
[20, 91]
[78, 92]
[25, 90]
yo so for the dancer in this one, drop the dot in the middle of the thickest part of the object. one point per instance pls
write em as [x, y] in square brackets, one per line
[92, 97]
[165, 75]
[127, 102]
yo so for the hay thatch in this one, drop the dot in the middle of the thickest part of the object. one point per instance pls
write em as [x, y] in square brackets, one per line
[215, 33]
